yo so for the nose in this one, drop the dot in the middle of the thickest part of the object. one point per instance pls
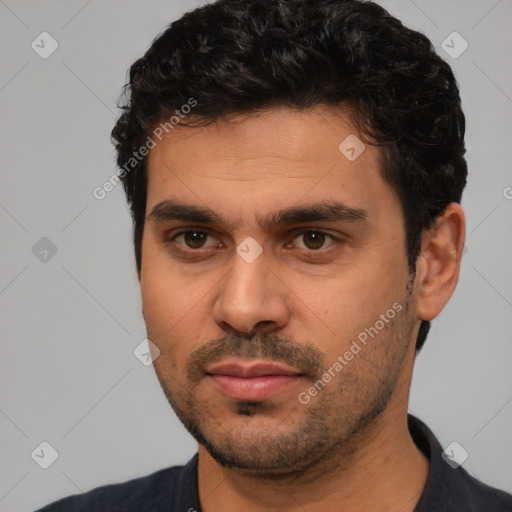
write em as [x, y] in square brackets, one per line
[251, 298]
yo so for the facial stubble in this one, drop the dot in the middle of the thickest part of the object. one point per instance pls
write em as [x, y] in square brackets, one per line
[264, 442]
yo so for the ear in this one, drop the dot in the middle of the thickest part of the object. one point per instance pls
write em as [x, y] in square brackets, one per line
[438, 266]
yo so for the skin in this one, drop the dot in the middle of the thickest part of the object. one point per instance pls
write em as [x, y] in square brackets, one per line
[205, 303]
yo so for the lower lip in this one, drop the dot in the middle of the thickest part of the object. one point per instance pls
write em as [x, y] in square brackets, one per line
[254, 389]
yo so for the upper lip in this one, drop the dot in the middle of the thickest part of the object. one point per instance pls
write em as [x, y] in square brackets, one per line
[247, 371]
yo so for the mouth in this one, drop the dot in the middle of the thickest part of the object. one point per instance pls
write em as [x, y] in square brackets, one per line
[254, 382]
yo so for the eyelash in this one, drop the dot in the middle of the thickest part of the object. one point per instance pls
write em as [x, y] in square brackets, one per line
[183, 249]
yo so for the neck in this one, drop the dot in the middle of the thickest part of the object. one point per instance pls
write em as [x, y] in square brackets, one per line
[388, 473]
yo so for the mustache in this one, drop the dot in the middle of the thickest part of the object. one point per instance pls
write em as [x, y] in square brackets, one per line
[305, 358]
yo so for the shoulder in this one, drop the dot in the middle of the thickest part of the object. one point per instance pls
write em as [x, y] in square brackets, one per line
[152, 492]
[449, 486]
[484, 497]
[462, 491]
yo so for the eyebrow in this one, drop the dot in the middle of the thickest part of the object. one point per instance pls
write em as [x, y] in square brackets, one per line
[326, 211]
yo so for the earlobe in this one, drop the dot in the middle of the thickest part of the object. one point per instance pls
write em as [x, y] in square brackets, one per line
[438, 265]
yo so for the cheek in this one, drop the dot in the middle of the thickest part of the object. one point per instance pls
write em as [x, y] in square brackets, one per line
[165, 315]
[167, 304]
[163, 303]
[356, 300]
[160, 283]
[176, 306]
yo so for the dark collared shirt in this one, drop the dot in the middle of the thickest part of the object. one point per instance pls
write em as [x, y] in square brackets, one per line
[175, 489]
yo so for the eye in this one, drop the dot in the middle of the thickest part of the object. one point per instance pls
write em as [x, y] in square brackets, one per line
[194, 239]
[313, 240]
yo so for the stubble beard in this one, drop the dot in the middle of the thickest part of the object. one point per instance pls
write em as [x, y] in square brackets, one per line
[328, 430]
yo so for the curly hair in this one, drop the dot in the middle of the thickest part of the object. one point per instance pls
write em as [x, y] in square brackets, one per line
[235, 56]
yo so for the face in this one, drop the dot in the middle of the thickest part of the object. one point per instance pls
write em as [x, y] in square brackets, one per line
[275, 285]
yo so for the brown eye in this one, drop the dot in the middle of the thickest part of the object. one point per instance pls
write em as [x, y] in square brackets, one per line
[313, 240]
[195, 239]
[192, 239]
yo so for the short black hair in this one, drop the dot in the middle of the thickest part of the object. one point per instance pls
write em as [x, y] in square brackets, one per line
[241, 56]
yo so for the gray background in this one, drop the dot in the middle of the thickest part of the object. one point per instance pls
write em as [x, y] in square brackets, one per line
[70, 324]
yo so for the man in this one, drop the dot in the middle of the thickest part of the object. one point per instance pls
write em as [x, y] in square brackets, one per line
[294, 170]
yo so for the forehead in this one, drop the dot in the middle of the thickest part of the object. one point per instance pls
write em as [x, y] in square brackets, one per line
[278, 133]
[274, 158]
